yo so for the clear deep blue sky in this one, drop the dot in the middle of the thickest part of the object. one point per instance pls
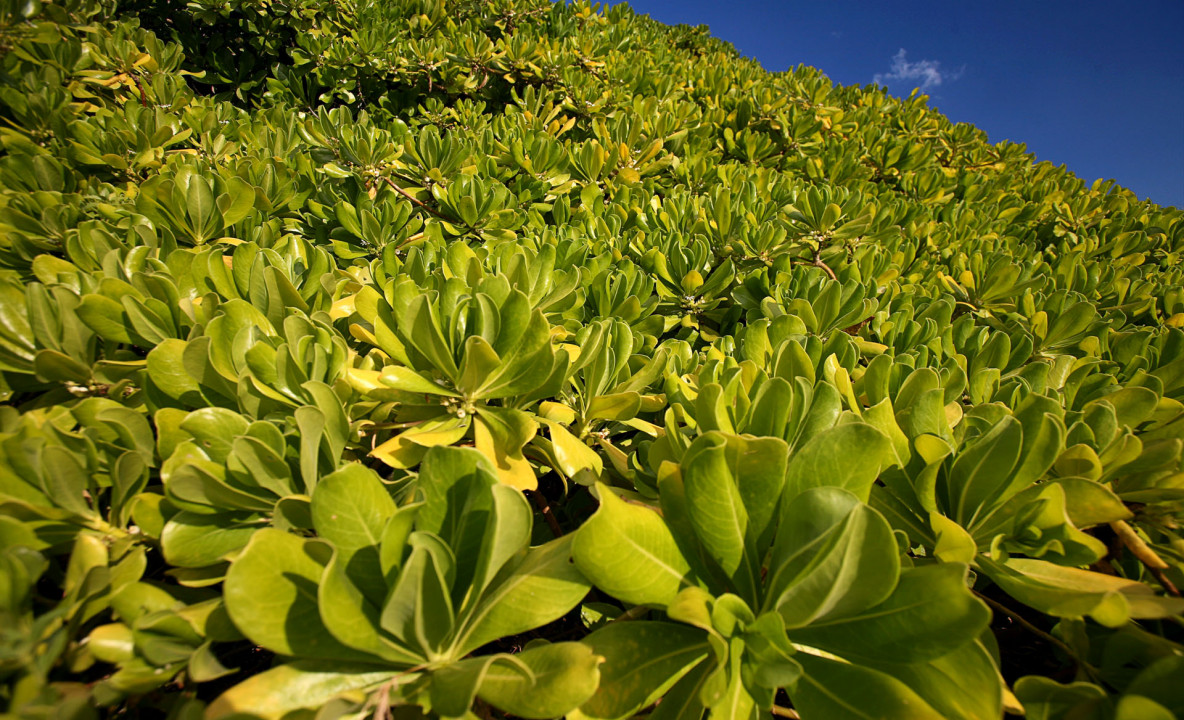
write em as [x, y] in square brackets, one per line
[1095, 86]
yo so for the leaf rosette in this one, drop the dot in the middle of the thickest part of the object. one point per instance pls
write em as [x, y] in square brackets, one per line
[396, 599]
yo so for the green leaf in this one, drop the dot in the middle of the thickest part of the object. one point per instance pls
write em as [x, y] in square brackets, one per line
[1044, 439]
[507, 534]
[642, 661]
[1042, 528]
[420, 328]
[757, 469]
[1137, 707]
[399, 452]
[1132, 405]
[64, 480]
[418, 610]
[104, 316]
[407, 380]
[954, 544]
[350, 509]
[214, 429]
[962, 685]
[1156, 682]
[129, 476]
[716, 511]
[833, 557]
[1090, 503]
[444, 429]
[354, 620]
[735, 700]
[571, 455]
[1079, 461]
[841, 691]
[460, 507]
[257, 462]
[240, 201]
[454, 686]
[347, 215]
[199, 200]
[394, 540]
[191, 540]
[683, 700]
[274, 693]
[1072, 592]
[311, 423]
[977, 477]
[53, 366]
[848, 456]
[882, 417]
[112, 643]
[542, 588]
[618, 406]
[271, 595]
[628, 552]
[542, 682]
[478, 368]
[930, 613]
[500, 434]
[1046, 699]
[204, 665]
[526, 357]
[194, 482]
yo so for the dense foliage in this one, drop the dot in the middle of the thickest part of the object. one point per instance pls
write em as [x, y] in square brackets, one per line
[473, 359]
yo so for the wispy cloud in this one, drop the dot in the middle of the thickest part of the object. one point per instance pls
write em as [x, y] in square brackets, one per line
[926, 73]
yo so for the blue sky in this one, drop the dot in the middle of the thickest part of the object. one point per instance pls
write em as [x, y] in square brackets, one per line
[1097, 87]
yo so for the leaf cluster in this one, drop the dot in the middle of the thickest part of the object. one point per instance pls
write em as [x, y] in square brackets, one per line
[442, 358]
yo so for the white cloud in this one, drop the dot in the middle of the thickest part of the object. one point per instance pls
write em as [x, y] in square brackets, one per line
[926, 73]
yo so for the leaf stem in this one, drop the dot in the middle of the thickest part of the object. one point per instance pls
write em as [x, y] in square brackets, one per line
[414, 200]
[1047, 637]
[631, 614]
[1140, 549]
[143, 95]
[819, 264]
[779, 711]
[540, 501]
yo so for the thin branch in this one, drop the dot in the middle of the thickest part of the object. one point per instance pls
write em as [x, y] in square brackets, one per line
[416, 201]
[819, 264]
[411, 239]
[143, 95]
[379, 427]
[1153, 562]
[1047, 637]
[540, 502]
[1104, 566]
[631, 614]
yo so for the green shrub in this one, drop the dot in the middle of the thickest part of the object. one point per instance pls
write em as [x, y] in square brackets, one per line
[482, 359]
